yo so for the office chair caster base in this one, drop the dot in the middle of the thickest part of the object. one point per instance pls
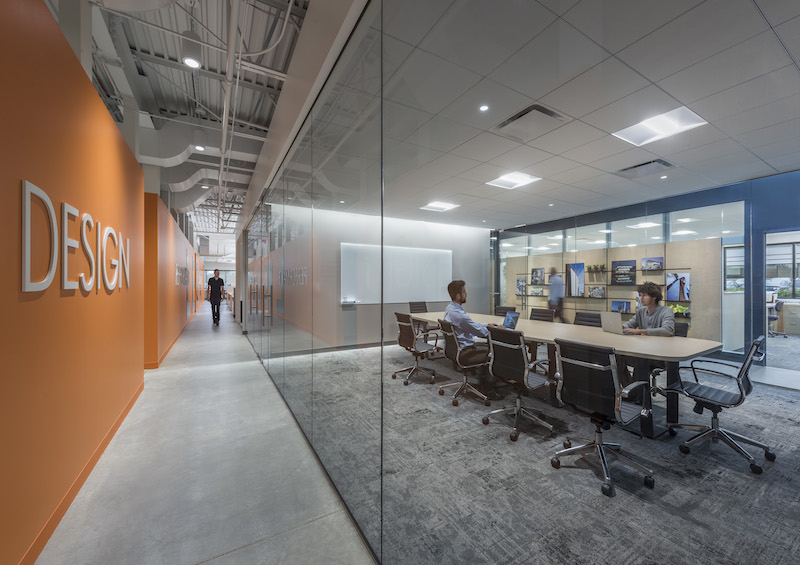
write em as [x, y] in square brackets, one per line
[684, 449]
[769, 456]
[514, 436]
[485, 420]
[555, 462]
[756, 469]
[441, 392]
[433, 378]
[455, 402]
[649, 482]
[672, 432]
[567, 444]
[405, 383]
[487, 402]
[608, 490]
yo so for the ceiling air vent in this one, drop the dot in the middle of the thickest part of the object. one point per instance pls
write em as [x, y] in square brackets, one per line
[659, 166]
[530, 123]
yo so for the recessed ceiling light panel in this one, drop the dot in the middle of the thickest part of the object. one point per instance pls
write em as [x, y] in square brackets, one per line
[513, 180]
[661, 126]
[439, 206]
[643, 225]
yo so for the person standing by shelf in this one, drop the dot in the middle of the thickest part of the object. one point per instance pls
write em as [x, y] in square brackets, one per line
[555, 300]
[216, 288]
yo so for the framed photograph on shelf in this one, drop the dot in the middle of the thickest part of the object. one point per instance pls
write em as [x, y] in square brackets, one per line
[623, 273]
[622, 306]
[537, 291]
[653, 264]
[537, 275]
[596, 292]
[678, 287]
[521, 285]
[575, 278]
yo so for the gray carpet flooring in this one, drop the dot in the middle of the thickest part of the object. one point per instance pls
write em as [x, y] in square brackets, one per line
[456, 491]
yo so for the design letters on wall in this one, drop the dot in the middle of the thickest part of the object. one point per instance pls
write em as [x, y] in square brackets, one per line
[121, 259]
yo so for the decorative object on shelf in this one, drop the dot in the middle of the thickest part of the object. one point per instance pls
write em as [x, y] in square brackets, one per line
[537, 291]
[537, 275]
[678, 287]
[653, 264]
[596, 268]
[596, 292]
[680, 311]
[623, 273]
[622, 306]
[521, 284]
[575, 279]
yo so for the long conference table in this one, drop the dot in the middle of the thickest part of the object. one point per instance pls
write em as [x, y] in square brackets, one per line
[670, 350]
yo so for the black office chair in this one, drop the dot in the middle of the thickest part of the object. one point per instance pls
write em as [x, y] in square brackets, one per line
[501, 310]
[773, 319]
[413, 343]
[588, 319]
[715, 399]
[541, 315]
[509, 361]
[426, 329]
[588, 381]
[466, 362]
[681, 330]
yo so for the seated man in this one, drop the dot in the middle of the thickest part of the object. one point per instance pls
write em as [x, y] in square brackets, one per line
[651, 318]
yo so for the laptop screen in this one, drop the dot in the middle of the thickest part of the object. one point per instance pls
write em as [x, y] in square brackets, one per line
[511, 320]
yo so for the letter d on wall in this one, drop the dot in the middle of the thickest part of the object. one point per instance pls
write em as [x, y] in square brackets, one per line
[29, 189]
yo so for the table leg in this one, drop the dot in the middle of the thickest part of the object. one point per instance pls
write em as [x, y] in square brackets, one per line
[673, 380]
[551, 373]
[642, 373]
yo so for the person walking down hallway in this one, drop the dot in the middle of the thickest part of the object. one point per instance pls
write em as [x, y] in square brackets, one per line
[216, 286]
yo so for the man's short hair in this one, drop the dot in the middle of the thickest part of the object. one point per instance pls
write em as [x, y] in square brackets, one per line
[216, 270]
[455, 288]
[652, 290]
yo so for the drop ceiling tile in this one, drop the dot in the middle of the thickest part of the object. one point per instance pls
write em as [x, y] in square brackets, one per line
[701, 32]
[785, 163]
[484, 191]
[503, 103]
[779, 148]
[579, 173]
[558, 6]
[751, 94]
[615, 25]
[455, 185]
[570, 136]
[442, 134]
[678, 180]
[745, 61]
[784, 131]
[779, 11]
[632, 109]
[550, 167]
[367, 72]
[706, 152]
[684, 141]
[733, 170]
[450, 165]
[485, 147]
[399, 121]
[776, 112]
[570, 194]
[539, 186]
[428, 83]
[607, 82]
[789, 32]
[520, 158]
[598, 149]
[401, 157]
[483, 173]
[411, 20]
[623, 160]
[606, 184]
[501, 32]
[552, 58]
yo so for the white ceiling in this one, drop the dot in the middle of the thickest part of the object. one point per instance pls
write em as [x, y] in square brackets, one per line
[603, 65]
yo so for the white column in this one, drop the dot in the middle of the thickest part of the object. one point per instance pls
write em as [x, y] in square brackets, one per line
[75, 19]
[130, 123]
[152, 179]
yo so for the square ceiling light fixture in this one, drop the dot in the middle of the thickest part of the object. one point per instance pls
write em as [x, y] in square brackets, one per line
[439, 206]
[513, 180]
[661, 126]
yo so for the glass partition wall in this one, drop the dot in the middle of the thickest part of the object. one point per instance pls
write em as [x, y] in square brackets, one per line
[355, 226]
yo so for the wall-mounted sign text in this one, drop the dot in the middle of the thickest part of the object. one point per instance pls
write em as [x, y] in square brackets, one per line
[294, 277]
[105, 257]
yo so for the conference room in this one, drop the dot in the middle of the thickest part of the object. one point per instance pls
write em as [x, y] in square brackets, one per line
[463, 140]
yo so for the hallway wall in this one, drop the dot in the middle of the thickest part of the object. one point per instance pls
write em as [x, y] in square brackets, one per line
[72, 355]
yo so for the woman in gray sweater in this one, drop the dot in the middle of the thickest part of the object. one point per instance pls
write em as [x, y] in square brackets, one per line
[651, 318]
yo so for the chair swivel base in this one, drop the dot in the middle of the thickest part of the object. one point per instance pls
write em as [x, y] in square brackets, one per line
[600, 448]
[732, 439]
[416, 369]
[463, 388]
[518, 411]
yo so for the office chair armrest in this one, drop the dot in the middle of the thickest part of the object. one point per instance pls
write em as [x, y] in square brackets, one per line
[646, 401]
[631, 387]
[698, 365]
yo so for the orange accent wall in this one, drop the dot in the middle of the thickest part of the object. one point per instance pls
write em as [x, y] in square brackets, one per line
[72, 360]
[168, 305]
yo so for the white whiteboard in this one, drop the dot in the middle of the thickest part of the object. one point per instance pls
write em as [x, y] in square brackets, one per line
[411, 273]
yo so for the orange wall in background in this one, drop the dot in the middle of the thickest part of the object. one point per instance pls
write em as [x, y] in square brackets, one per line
[72, 360]
[169, 303]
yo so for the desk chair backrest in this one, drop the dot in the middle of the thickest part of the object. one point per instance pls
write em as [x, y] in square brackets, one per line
[779, 305]
[508, 355]
[542, 314]
[501, 310]
[743, 377]
[588, 319]
[417, 307]
[588, 379]
[451, 348]
[406, 336]
[681, 329]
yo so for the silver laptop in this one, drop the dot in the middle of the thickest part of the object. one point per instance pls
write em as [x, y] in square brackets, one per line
[611, 322]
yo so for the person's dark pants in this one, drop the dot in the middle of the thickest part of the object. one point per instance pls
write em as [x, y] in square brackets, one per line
[558, 310]
[215, 311]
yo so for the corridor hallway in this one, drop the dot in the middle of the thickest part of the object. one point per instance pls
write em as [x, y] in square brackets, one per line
[208, 467]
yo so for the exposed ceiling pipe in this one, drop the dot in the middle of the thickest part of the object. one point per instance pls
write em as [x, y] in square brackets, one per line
[233, 21]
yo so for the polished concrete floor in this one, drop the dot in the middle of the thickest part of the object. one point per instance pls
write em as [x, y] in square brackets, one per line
[208, 467]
